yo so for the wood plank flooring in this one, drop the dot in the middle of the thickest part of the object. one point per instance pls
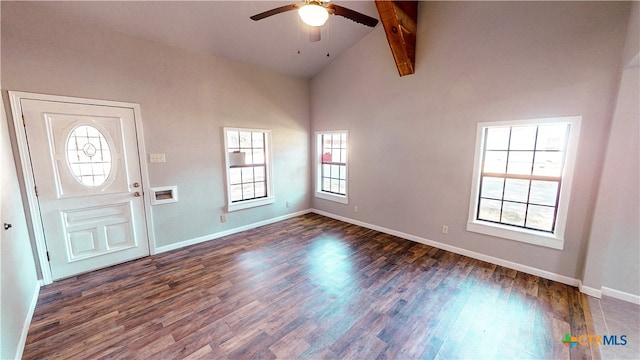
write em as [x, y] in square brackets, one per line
[310, 288]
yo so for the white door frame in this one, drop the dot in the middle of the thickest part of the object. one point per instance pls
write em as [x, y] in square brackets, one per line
[27, 172]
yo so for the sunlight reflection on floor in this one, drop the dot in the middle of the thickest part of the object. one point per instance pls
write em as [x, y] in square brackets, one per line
[330, 264]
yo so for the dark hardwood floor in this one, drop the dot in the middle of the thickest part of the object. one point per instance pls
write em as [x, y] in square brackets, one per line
[309, 287]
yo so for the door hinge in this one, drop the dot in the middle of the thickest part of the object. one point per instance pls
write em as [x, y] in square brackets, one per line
[36, 188]
[24, 122]
[48, 257]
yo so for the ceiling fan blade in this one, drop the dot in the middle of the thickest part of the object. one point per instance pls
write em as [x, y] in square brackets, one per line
[314, 33]
[352, 15]
[275, 11]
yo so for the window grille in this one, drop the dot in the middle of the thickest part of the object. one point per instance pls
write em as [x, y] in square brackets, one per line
[333, 178]
[521, 175]
[248, 162]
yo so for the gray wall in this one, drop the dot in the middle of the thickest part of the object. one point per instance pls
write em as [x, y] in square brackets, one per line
[613, 257]
[186, 98]
[412, 138]
[621, 172]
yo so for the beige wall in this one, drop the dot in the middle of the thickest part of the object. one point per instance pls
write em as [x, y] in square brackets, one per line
[412, 138]
[186, 98]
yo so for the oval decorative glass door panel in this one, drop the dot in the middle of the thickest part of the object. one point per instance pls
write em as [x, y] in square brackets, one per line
[88, 155]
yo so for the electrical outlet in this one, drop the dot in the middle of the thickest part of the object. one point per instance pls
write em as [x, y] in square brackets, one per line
[445, 229]
[288, 204]
[355, 209]
[223, 218]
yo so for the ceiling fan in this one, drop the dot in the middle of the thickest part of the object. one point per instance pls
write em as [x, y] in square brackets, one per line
[315, 14]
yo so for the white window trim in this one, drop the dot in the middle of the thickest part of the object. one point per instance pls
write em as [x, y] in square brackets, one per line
[555, 240]
[247, 204]
[343, 199]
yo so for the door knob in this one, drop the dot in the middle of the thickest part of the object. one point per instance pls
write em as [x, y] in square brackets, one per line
[135, 185]
[7, 226]
[136, 194]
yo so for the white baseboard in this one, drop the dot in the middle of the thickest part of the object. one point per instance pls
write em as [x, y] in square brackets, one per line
[605, 291]
[621, 295]
[589, 290]
[27, 320]
[220, 234]
[472, 254]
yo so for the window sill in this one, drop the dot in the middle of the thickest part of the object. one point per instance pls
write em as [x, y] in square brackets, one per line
[245, 166]
[250, 204]
[332, 197]
[522, 235]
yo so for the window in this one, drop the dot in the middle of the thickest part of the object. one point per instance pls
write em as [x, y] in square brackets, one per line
[248, 168]
[522, 179]
[89, 155]
[331, 173]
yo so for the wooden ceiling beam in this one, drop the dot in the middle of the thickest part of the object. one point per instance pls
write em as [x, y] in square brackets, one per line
[400, 21]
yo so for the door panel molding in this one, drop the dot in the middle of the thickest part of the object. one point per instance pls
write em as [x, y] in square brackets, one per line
[110, 218]
[29, 190]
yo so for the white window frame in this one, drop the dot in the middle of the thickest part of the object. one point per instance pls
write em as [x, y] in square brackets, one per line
[343, 199]
[553, 240]
[246, 204]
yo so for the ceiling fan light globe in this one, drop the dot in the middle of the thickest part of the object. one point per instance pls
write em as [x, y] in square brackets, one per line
[313, 15]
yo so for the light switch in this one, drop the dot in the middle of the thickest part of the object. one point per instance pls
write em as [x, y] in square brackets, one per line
[156, 158]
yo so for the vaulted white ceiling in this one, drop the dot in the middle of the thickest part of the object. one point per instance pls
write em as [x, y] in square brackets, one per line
[223, 28]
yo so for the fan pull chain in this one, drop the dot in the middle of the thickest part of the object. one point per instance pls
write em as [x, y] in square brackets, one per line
[298, 23]
[328, 27]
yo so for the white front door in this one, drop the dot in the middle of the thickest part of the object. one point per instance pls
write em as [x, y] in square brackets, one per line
[88, 181]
